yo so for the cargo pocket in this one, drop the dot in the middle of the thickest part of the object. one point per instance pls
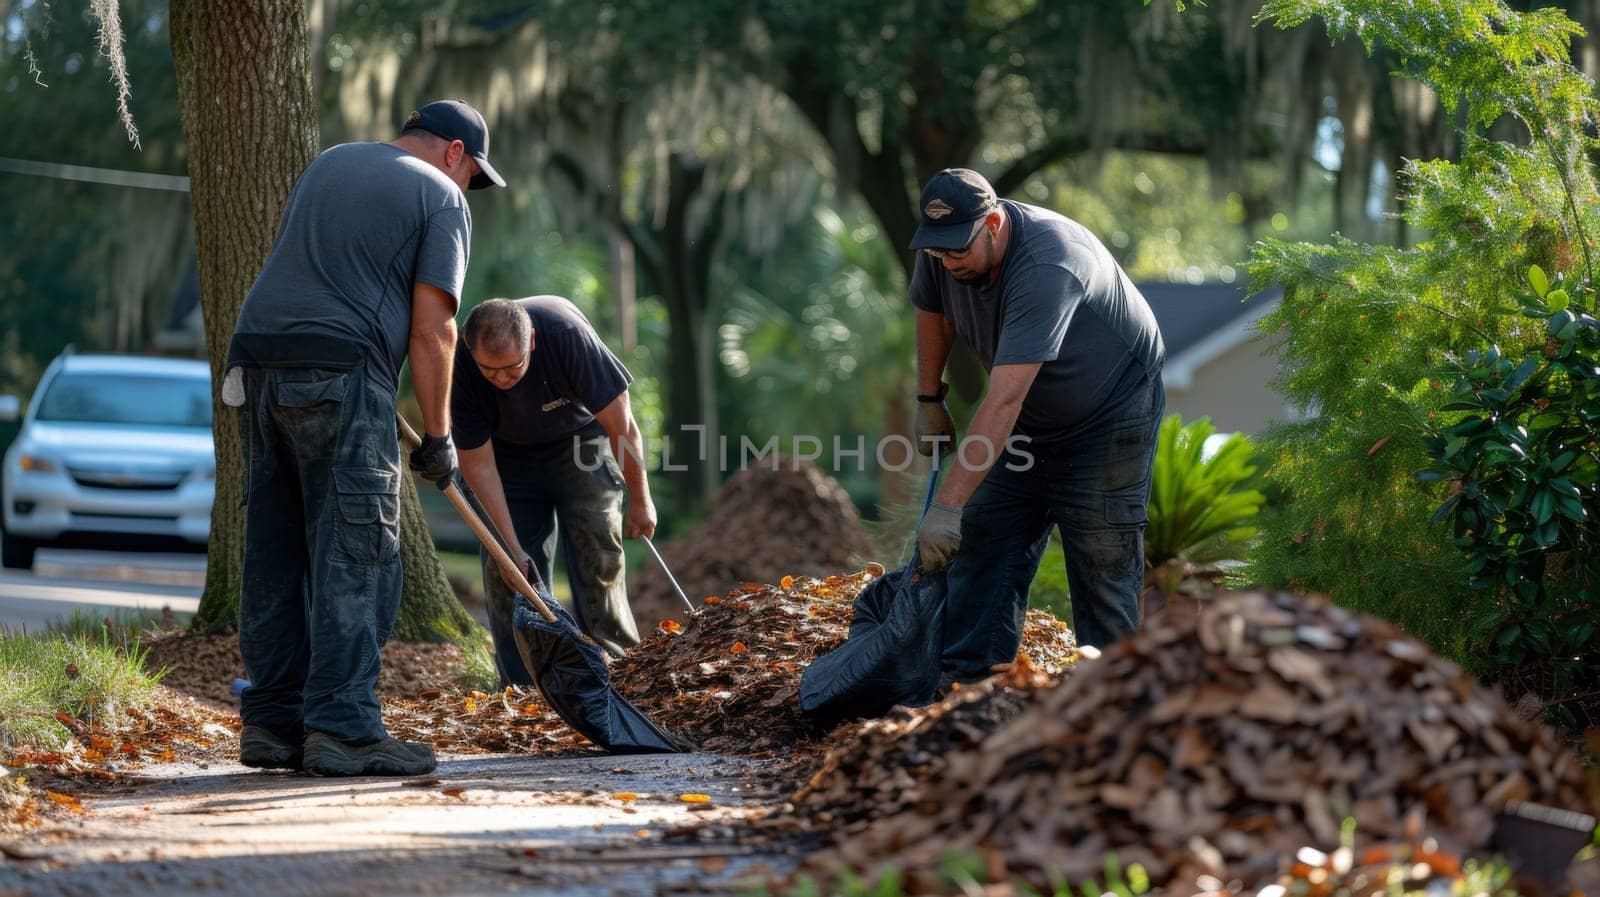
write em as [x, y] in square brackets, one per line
[1127, 507]
[369, 514]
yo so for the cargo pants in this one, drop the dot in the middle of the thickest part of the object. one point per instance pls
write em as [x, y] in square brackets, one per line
[1097, 491]
[568, 490]
[322, 577]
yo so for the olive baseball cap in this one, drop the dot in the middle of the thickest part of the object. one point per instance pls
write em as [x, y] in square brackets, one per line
[953, 205]
[455, 120]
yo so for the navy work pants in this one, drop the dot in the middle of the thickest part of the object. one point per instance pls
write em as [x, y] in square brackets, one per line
[321, 580]
[1096, 491]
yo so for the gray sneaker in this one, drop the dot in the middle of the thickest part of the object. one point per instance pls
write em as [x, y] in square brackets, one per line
[259, 748]
[328, 756]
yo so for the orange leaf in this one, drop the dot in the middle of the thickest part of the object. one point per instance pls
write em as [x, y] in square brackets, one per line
[625, 796]
[453, 792]
[712, 599]
[695, 798]
[63, 718]
[100, 743]
[472, 705]
[65, 800]
[670, 627]
[787, 582]
[1378, 445]
[738, 648]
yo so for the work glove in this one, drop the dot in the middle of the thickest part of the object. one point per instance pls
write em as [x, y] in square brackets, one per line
[939, 536]
[435, 459]
[934, 423]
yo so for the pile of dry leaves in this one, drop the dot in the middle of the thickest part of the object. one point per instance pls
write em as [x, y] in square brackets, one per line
[728, 680]
[171, 727]
[873, 768]
[762, 524]
[1221, 741]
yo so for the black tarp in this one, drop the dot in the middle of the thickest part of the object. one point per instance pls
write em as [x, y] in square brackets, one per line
[891, 656]
[571, 674]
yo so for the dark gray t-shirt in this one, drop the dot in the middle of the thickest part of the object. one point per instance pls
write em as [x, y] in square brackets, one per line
[571, 374]
[366, 221]
[1062, 300]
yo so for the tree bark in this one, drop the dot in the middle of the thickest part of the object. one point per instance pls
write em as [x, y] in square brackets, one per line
[250, 128]
[429, 611]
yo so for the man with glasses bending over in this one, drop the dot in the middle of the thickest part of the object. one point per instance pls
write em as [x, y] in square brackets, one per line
[1074, 359]
[541, 415]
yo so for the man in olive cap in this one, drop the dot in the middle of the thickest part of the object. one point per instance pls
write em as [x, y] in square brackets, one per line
[366, 271]
[1074, 360]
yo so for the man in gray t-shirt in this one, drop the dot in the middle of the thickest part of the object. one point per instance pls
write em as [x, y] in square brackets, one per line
[1065, 434]
[366, 271]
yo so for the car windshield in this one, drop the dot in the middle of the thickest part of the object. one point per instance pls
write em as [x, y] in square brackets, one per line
[148, 400]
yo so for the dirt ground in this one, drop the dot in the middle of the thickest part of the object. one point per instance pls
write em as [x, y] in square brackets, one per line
[204, 666]
[587, 826]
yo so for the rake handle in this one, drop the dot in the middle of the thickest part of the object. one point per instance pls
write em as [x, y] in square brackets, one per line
[480, 528]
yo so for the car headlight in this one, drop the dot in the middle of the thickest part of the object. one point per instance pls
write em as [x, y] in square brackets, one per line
[37, 464]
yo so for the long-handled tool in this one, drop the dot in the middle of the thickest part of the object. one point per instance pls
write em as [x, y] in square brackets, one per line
[567, 667]
[665, 569]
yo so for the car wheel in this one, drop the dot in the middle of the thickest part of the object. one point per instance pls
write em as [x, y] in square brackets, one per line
[16, 553]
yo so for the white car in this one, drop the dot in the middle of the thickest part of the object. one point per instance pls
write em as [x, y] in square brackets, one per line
[114, 452]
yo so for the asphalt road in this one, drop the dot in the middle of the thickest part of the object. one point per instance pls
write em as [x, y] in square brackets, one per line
[99, 583]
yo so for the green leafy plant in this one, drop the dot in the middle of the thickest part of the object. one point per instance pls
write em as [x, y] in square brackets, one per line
[1523, 464]
[1367, 330]
[1201, 510]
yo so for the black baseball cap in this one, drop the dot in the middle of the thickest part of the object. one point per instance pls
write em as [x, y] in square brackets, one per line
[455, 120]
[953, 205]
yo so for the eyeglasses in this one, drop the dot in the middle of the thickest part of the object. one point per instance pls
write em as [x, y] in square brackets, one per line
[507, 369]
[955, 253]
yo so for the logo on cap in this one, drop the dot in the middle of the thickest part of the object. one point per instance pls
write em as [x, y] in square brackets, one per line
[937, 209]
[413, 118]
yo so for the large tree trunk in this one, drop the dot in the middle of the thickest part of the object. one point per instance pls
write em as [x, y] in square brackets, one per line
[250, 127]
[429, 611]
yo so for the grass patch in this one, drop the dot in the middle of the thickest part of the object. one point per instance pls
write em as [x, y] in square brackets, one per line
[122, 629]
[43, 675]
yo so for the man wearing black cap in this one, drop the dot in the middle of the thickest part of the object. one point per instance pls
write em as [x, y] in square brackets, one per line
[366, 271]
[1074, 360]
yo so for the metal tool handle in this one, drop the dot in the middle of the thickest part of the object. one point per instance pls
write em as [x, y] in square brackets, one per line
[483, 528]
[664, 569]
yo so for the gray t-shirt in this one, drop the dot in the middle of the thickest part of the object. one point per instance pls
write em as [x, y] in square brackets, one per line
[571, 374]
[1062, 300]
[366, 221]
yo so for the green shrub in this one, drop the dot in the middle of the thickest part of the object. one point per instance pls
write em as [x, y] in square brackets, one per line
[1523, 464]
[1201, 510]
[1367, 329]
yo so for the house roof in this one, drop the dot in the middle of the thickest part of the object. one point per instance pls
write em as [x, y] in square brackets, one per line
[1200, 322]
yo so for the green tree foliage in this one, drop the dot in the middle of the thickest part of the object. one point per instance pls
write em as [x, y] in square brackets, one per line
[1366, 329]
[1524, 469]
[84, 263]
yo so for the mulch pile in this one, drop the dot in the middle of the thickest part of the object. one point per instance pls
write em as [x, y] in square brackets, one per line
[204, 666]
[1220, 744]
[728, 680]
[878, 767]
[762, 524]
